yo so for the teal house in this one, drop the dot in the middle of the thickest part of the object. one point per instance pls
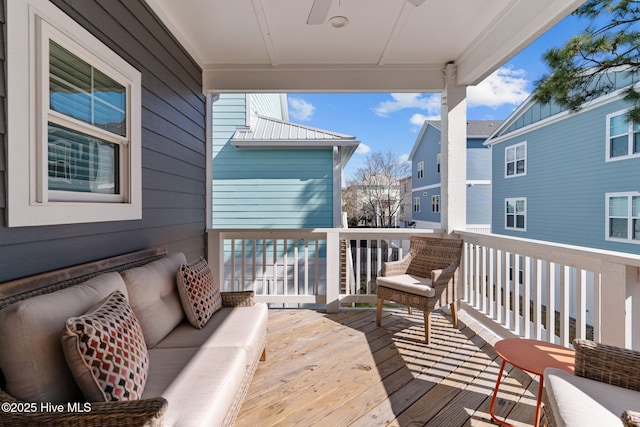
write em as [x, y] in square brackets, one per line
[271, 173]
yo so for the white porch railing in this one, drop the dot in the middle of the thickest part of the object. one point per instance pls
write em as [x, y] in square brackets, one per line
[297, 266]
[509, 284]
[513, 284]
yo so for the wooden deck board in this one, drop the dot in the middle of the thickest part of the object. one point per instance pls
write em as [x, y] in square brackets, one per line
[342, 370]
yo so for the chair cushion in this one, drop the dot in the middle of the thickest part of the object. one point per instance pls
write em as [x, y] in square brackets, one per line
[106, 351]
[408, 283]
[581, 402]
[153, 296]
[31, 356]
[242, 327]
[199, 293]
[200, 384]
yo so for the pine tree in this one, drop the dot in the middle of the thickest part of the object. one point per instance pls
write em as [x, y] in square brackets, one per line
[581, 70]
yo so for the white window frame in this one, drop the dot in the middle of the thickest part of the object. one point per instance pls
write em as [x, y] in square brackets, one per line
[416, 204]
[514, 148]
[514, 200]
[630, 153]
[435, 203]
[30, 26]
[421, 170]
[629, 217]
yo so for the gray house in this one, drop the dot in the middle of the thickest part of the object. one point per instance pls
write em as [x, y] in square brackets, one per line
[144, 159]
[426, 166]
[569, 177]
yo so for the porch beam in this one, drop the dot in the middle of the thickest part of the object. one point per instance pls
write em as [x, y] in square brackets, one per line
[453, 146]
[322, 78]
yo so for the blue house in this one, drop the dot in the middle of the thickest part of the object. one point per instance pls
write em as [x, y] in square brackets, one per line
[569, 177]
[270, 173]
[425, 181]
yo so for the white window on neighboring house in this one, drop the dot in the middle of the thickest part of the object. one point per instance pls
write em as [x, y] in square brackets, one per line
[435, 204]
[438, 162]
[420, 170]
[623, 137]
[416, 204]
[623, 217]
[74, 147]
[516, 214]
[515, 160]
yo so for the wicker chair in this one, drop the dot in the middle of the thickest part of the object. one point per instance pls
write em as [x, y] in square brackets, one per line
[606, 364]
[425, 278]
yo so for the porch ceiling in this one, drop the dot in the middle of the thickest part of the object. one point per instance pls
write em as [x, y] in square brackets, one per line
[388, 45]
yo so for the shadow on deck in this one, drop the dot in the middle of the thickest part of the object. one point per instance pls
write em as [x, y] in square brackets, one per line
[341, 370]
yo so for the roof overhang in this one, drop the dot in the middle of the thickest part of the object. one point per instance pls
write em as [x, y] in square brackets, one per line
[389, 45]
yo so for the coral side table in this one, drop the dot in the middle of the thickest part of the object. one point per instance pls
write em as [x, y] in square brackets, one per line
[531, 356]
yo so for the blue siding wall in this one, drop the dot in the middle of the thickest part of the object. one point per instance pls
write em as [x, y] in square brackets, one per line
[566, 181]
[479, 204]
[478, 160]
[478, 169]
[266, 188]
[173, 150]
[427, 151]
[426, 213]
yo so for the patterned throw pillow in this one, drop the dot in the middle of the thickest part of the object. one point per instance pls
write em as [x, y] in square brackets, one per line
[199, 294]
[106, 352]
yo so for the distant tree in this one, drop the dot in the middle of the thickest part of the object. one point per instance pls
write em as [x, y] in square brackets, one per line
[378, 188]
[580, 69]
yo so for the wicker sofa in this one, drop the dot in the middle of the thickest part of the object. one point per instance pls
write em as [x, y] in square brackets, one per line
[195, 376]
[605, 390]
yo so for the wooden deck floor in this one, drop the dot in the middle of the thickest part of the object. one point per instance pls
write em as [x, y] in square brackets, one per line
[341, 370]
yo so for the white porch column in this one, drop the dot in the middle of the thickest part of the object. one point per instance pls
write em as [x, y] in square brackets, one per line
[453, 203]
[333, 270]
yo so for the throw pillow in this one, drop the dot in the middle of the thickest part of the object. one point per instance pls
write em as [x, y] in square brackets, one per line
[199, 294]
[106, 351]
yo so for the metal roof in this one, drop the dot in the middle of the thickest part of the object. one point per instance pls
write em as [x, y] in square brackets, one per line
[270, 130]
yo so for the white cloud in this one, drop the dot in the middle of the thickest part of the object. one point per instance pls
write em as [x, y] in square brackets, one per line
[363, 148]
[404, 158]
[401, 101]
[504, 86]
[418, 119]
[300, 109]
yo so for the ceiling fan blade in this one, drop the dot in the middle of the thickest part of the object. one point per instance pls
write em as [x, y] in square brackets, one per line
[416, 2]
[319, 12]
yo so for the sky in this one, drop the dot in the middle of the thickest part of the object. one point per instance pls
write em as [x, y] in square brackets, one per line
[391, 121]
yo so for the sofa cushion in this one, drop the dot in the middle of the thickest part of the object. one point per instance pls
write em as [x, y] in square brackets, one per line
[581, 402]
[242, 327]
[106, 351]
[199, 293]
[200, 384]
[408, 283]
[153, 296]
[31, 356]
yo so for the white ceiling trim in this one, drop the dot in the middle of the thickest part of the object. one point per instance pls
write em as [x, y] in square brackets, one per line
[258, 8]
[166, 19]
[397, 29]
[492, 49]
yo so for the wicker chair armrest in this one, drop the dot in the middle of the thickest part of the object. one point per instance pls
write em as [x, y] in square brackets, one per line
[132, 413]
[630, 418]
[237, 299]
[442, 276]
[606, 363]
[396, 268]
